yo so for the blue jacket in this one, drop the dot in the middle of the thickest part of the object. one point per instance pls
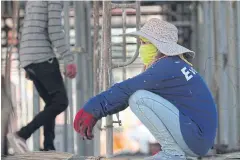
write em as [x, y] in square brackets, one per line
[172, 79]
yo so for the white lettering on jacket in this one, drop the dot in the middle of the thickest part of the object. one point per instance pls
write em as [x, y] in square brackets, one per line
[188, 73]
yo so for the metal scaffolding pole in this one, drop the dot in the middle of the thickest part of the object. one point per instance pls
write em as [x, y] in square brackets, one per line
[194, 33]
[221, 69]
[79, 17]
[96, 55]
[36, 110]
[211, 48]
[237, 32]
[89, 68]
[96, 46]
[23, 99]
[107, 62]
[124, 53]
[89, 47]
[207, 43]
[68, 114]
[200, 30]
[232, 73]
[84, 86]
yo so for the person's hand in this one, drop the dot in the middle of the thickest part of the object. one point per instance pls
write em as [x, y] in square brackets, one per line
[71, 70]
[84, 123]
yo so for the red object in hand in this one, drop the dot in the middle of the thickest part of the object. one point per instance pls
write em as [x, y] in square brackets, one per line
[71, 70]
[84, 123]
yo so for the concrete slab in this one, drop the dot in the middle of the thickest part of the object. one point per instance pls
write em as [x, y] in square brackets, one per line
[69, 156]
[235, 155]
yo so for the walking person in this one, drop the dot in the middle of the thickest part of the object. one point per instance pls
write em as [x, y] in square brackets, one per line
[42, 36]
[170, 98]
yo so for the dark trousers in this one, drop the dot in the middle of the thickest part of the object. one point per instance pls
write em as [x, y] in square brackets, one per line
[48, 81]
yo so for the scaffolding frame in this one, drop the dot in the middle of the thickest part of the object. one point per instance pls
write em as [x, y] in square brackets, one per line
[106, 64]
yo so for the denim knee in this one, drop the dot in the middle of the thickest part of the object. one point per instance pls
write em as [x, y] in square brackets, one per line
[135, 97]
[59, 102]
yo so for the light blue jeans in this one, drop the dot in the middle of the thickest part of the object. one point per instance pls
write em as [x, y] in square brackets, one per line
[162, 119]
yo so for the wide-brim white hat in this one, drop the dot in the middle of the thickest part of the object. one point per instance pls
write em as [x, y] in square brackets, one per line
[164, 36]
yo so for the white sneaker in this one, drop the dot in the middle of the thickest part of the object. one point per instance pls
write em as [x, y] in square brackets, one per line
[164, 156]
[17, 143]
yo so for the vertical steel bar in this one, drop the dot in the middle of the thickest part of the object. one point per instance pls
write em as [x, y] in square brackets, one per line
[88, 68]
[138, 20]
[124, 14]
[96, 46]
[68, 138]
[206, 59]
[211, 52]
[96, 52]
[200, 38]
[107, 59]
[211, 49]
[216, 69]
[8, 60]
[23, 99]
[79, 35]
[221, 49]
[36, 110]
[89, 46]
[30, 108]
[101, 62]
[203, 61]
[65, 130]
[194, 33]
[232, 63]
[84, 90]
[237, 33]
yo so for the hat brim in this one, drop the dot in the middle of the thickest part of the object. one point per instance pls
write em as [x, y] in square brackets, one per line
[167, 48]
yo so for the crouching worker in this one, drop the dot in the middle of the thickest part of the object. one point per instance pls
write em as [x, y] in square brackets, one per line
[169, 97]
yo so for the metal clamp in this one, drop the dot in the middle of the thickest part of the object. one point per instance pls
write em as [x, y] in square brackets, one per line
[117, 5]
[119, 122]
[78, 50]
[110, 126]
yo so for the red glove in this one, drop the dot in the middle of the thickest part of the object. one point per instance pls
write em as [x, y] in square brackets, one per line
[71, 70]
[84, 123]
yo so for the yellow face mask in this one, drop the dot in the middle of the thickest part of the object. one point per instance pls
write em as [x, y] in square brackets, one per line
[147, 52]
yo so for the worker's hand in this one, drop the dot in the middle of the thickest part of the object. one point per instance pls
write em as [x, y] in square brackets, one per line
[71, 70]
[84, 123]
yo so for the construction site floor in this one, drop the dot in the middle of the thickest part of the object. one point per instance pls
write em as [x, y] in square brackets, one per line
[69, 156]
[235, 155]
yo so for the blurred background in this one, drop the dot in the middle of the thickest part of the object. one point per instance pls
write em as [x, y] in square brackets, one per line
[211, 29]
